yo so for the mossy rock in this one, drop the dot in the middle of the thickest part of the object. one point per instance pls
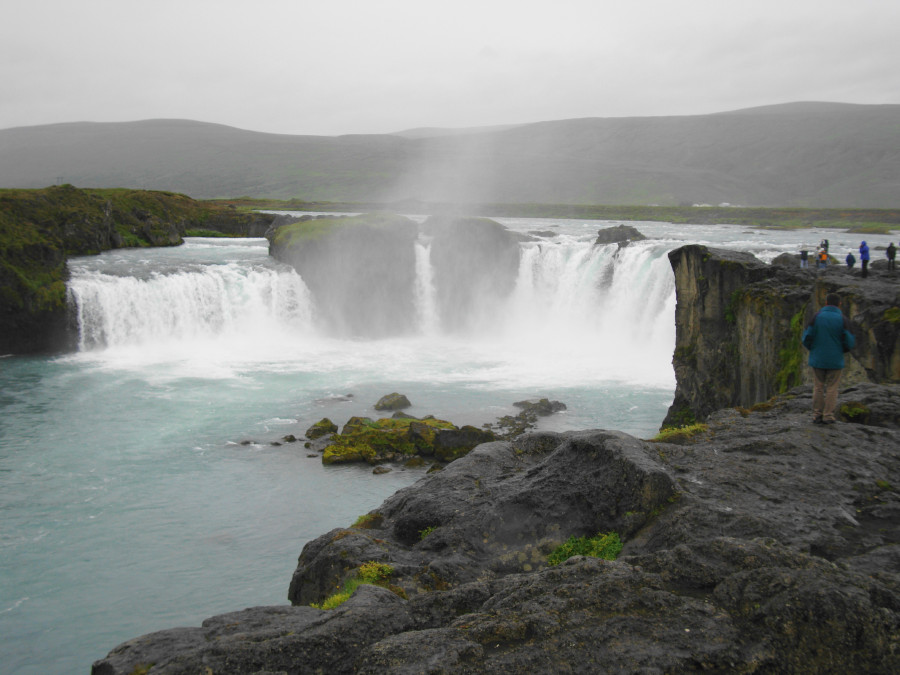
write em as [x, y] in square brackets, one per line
[364, 440]
[321, 428]
[393, 401]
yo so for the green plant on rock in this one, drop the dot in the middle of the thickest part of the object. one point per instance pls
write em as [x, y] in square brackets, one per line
[684, 417]
[730, 306]
[372, 573]
[605, 545]
[424, 533]
[892, 315]
[790, 357]
[854, 411]
[375, 572]
[670, 434]
[368, 521]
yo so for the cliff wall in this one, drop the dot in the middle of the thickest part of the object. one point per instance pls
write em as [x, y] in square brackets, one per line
[39, 229]
[738, 323]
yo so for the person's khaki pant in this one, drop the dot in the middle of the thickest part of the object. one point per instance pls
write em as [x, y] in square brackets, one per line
[825, 392]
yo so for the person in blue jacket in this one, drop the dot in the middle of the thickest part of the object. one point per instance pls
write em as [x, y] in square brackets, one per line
[864, 258]
[827, 337]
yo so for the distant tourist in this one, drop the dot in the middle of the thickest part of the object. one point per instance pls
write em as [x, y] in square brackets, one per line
[864, 258]
[824, 245]
[827, 338]
[823, 258]
[891, 254]
[804, 259]
[851, 261]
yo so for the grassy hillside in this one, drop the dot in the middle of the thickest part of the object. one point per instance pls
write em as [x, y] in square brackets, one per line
[798, 155]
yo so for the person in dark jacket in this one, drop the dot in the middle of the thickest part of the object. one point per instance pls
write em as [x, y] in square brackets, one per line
[864, 258]
[827, 338]
[851, 261]
[891, 254]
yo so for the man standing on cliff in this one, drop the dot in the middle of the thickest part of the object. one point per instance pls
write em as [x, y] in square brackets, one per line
[827, 338]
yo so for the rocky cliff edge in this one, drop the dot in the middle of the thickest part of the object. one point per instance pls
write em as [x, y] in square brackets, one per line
[762, 544]
[738, 323]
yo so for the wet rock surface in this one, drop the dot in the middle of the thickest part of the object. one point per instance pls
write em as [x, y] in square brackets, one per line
[762, 544]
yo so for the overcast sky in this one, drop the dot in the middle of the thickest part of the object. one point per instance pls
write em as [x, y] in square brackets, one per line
[330, 67]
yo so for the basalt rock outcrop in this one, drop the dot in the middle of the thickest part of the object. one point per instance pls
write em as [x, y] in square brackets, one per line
[738, 322]
[39, 229]
[762, 544]
[618, 234]
[362, 270]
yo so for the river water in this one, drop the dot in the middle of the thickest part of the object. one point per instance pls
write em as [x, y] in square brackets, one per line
[143, 480]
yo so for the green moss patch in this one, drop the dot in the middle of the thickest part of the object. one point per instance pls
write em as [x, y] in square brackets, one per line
[679, 434]
[371, 441]
[791, 357]
[855, 412]
[308, 231]
[374, 573]
[605, 545]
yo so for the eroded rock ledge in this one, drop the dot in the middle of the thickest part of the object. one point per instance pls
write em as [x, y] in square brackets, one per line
[764, 544]
[738, 323]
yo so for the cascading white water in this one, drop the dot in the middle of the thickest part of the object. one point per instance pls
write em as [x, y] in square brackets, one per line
[190, 314]
[426, 300]
[605, 312]
[577, 313]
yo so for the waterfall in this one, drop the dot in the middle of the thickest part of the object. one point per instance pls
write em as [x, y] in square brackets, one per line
[594, 309]
[426, 298]
[566, 311]
[188, 305]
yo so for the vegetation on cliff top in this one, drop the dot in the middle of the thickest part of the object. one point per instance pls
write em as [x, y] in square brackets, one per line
[39, 229]
[314, 230]
[870, 221]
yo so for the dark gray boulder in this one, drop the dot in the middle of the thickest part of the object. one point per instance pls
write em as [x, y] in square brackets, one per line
[618, 234]
[541, 407]
[787, 260]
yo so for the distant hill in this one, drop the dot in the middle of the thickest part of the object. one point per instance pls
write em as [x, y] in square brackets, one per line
[799, 154]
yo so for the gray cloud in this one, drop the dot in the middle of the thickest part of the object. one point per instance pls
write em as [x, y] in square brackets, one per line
[356, 66]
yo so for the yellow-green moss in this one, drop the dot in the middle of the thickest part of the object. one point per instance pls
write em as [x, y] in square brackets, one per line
[892, 315]
[673, 434]
[606, 546]
[372, 572]
[365, 440]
